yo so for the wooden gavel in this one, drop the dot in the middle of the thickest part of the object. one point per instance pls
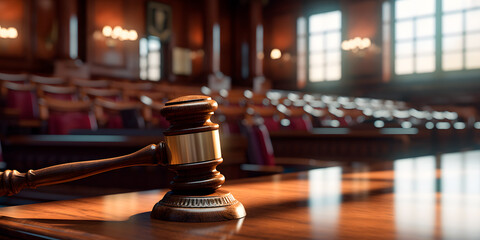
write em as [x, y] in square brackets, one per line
[191, 149]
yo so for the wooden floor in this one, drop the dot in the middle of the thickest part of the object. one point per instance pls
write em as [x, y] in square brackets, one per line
[429, 197]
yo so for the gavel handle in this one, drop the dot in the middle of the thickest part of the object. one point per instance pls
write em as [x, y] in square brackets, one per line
[12, 181]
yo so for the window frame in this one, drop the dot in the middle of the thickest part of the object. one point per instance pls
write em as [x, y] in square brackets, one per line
[313, 10]
[438, 75]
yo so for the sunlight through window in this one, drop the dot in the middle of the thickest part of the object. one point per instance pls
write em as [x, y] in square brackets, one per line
[324, 46]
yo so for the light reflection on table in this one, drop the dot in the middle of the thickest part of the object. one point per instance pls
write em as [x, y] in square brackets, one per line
[427, 197]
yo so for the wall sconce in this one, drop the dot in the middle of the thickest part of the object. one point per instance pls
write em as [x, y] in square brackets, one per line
[275, 54]
[119, 33]
[356, 44]
[10, 32]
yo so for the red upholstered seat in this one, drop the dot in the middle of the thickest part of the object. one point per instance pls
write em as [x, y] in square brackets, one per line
[271, 123]
[118, 114]
[64, 122]
[300, 123]
[260, 149]
[64, 116]
[22, 98]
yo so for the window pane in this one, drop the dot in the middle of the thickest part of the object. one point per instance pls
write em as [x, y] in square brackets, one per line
[471, 3]
[317, 23]
[452, 61]
[334, 72]
[317, 60]
[404, 49]
[473, 41]
[452, 23]
[325, 21]
[403, 9]
[425, 27]
[143, 47]
[334, 20]
[404, 30]
[424, 7]
[333, 40]
[425, 63]
[473, 21]
[154, 44]
[301, 26]
[453, 43]
[333, 57]
[316, 43]
[317, 74]
[472, 59]
[425, 46]
[404, 66]
[452, 5]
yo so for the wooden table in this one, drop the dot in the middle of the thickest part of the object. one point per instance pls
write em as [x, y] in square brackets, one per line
[418, 198]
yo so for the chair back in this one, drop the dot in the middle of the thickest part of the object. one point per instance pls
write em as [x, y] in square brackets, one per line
[63, 116]
[36, 79]
[22, 98]
[58, 92]
[118, 114]
[80, 82]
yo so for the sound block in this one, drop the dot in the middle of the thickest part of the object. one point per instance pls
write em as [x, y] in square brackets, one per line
[215, 207]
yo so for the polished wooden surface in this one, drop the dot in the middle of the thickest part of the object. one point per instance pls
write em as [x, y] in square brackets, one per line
[428, 197]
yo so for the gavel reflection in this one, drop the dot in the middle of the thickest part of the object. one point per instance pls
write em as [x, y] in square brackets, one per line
[191, 149]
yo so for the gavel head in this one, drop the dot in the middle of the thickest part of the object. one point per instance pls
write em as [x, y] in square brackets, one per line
[193, 144]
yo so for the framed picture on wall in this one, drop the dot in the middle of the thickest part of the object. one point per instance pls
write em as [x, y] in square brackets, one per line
[159, 20]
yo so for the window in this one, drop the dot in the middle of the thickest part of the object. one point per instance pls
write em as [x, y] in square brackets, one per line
[435, 36]
[460, 35]
[150, 58]
[414, 36]
[320, 59]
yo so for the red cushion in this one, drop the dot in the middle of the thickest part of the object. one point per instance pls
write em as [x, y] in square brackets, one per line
[114, 121]
[64, 122]
[25, 102]
[300, 123]
[271, 123]
[266, 148]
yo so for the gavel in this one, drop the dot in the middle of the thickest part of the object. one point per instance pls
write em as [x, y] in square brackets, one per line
[191, 149]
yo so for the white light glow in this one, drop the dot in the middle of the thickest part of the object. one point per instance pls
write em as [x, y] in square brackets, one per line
[275, 53]
[459, 125]
[379, 124]
[443, 125]
[406, 124]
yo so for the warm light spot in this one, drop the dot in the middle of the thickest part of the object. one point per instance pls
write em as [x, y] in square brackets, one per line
[107, 31]
[356, 44]
[132, 35]
[117, 31]
[12, 32]
[275, 54]
[3, 33]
